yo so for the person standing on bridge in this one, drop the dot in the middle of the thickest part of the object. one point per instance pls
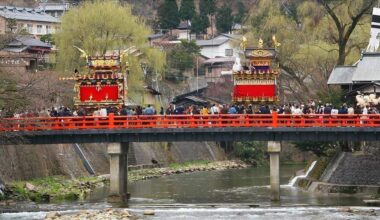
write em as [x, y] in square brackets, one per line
[214, 110]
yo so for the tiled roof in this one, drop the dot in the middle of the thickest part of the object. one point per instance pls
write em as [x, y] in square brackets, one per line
[368, 68]
[220, 60]
[341, 75]
[28, 41]
[211, 42]
[26, 14]
[54, 6]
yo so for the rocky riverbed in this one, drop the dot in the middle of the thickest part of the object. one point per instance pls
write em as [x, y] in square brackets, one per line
[184, 168]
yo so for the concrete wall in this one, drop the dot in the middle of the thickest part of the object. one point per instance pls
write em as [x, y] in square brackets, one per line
[3, 25]
[27, 162]
[179, 152]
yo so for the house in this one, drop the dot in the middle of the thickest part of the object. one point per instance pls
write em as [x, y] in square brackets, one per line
[220, 46]
[18, 62]
[183, 31]
[154, 38]
[215, 68]
[34, 21]
[54, 9]
[25, 52]
[363, 77]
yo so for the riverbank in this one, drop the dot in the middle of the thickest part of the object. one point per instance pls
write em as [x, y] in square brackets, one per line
[58, 188]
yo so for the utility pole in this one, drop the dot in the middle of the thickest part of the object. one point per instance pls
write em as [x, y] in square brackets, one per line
[198, 71]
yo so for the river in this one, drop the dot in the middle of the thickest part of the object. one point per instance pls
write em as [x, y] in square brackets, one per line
[228, 194]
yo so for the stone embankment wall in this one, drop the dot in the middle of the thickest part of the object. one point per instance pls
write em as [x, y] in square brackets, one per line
[27, 162]
[357, 170]
[351, 173]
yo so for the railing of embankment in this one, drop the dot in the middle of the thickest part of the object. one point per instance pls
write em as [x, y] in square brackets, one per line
[187, 121]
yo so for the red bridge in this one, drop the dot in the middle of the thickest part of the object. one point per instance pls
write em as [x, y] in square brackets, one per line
[188, 121]
[119, 131]
[153, 128]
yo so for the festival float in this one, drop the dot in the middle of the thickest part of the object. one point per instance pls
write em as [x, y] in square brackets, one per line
[256, 82]
[104, 83]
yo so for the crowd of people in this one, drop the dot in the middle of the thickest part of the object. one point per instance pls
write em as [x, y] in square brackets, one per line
[293, 109]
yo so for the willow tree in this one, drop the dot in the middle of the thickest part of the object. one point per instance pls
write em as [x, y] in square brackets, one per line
[101, 27]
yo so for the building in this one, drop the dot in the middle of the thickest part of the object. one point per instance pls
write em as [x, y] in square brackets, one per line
[216, 68]
[54, 9]
[363, 77]
[25, 52]
[183, 31]
[34, 21]
[221, 46]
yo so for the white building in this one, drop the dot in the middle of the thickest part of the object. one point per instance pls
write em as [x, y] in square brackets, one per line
[221, 46]
[34, 21]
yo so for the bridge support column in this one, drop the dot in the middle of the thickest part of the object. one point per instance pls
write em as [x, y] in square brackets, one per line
[274, 149]
[118, 171]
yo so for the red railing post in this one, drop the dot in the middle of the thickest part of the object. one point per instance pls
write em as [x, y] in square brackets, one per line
[111, 120]
[274, 119]
[192, 122]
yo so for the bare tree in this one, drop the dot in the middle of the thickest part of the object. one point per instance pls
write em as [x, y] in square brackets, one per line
[345, 27]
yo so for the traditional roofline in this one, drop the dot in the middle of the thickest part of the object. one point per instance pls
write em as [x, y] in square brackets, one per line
[26, 14]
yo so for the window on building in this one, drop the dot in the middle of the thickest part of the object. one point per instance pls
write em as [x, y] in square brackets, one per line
[48, 29]
[229, 52]
[39, 29]
[29, 28]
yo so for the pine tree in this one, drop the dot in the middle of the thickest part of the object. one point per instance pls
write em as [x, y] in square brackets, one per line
[187, 10]
[199, 24]
[224, 19]
[208, 6]
[168, 15]
[207, 9]
[242, 11]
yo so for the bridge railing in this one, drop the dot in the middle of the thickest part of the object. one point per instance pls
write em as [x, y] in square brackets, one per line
[187, 121]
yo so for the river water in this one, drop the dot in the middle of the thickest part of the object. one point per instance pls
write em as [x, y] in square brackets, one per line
[228, 194]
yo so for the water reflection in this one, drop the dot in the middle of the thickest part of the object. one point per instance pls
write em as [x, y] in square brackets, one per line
[229, 186]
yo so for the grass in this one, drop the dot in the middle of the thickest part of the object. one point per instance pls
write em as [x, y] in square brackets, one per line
[54, 188]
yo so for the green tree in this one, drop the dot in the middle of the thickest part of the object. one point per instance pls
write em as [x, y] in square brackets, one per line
[187, 10]
[346, 15]
[183, 55]
[319, 148]
[199, 24]
[241, 12]
[101, 26]
[47, 38]
[251, 152]
[168, 15]
[207, 8]
[224, 19]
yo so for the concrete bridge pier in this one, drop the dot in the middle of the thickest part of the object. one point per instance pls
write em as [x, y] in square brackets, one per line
[118, 172]
[274, 149]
